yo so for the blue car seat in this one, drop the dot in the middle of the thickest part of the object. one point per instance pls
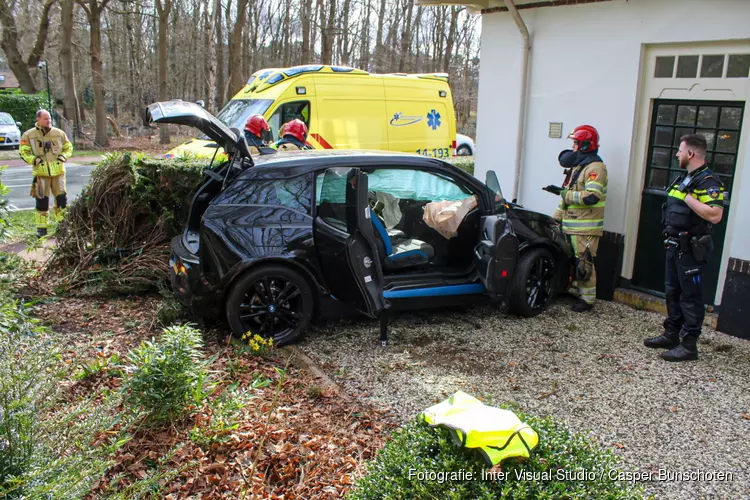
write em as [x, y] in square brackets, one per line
[397, 250]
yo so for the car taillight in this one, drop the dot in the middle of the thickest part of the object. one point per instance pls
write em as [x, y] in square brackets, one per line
[503, 273]
[453, 145]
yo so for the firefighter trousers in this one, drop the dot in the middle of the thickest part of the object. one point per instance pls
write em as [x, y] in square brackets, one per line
[585, 247]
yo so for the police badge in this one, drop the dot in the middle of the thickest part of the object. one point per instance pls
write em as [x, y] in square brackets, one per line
[713, 192]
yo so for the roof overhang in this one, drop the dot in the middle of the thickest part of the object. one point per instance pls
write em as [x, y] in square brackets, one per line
[490, 6]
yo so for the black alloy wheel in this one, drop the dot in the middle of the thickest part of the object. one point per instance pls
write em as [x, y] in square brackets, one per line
[534, 282]
[273, 302]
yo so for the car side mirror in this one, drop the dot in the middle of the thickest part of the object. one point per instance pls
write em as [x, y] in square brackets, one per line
[18, 124]
[200, 103]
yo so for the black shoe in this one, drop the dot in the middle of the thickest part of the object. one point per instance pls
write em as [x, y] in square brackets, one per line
[41, 232]
[666, 340]
[581, 306]
[686, 351]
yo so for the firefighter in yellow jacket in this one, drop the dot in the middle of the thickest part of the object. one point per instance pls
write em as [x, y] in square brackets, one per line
[46, 149]
[581, 209]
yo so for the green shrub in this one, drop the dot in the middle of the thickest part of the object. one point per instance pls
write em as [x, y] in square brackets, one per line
[50, 447]
[164, 377]
[465, 164]
[419, 448]
[4, 212]
[23, 107]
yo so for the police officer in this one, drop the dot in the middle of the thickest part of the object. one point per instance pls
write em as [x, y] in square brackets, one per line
[255, 126]
[694, 202]
[581, 209]
[46, 149]
[294, 134]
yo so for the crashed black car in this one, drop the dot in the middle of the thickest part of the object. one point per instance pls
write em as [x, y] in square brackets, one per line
[273, 240]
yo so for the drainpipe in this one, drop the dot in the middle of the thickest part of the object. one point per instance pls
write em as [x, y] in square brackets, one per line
[524, 82]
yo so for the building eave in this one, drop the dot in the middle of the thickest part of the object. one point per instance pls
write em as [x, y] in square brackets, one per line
[492, 6]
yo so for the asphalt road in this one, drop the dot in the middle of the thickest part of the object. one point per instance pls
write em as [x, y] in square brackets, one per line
[18, 179]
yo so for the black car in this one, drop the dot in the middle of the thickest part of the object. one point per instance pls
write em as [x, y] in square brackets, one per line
[272, 240]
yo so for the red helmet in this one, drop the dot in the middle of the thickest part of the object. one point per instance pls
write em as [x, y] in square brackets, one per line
[256, 125]
[295, 128]
[587, 137]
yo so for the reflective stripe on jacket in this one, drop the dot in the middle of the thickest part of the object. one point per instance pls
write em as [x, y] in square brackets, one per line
[582, 211]
[46, 152]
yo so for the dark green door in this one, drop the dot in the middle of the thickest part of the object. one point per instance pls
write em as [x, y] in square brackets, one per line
[720, 122]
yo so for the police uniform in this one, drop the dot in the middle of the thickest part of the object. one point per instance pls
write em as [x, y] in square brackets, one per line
[581, 212]
[46, 151]
[688, 242]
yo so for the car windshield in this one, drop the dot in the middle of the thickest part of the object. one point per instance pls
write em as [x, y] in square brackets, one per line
[6, 119]
[237, 111]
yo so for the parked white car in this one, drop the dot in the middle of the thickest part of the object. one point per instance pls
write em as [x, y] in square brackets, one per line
[464, 145]
[10, 131]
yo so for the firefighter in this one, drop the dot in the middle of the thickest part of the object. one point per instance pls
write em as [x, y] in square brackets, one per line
[294, 134]
[46, 149]
[581, 210]
[255, 127]
[694, 203]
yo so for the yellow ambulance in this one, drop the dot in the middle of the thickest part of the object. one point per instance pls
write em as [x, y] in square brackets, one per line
[345, 108]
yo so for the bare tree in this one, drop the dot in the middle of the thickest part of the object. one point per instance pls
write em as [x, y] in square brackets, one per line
[70, 96]
[163, 8]
[93, 10]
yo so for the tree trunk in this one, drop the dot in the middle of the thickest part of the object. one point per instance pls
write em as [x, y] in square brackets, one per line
[326, 49]
[406, 37]
[450, 42]
[220, 68]
[9, 44]
[344, 38]
[235, 51]
[379, 39]
[70, 108]
[306, 13]
[94, 13]
[209, 27]
[364, 40]
[163, 8]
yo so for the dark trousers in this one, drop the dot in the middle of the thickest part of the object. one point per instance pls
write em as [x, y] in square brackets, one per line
[684, 290]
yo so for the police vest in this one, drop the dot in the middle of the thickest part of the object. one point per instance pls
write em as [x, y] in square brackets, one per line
[495, 433]
[677, 216]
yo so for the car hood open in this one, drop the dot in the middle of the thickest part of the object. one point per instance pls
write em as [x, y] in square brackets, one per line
[188, 113]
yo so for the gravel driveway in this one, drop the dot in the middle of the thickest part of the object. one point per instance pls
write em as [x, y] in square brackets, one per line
[591, 371]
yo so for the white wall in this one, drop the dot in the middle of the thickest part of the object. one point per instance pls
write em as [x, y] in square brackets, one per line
[585, 62]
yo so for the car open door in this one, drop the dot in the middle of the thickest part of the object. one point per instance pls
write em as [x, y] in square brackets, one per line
[345, 241]
[496, 253]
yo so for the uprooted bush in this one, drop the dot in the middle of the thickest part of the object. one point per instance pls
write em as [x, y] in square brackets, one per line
[423, 462]
[115, 238]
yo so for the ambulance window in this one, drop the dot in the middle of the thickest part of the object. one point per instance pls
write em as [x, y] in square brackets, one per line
[288, 112]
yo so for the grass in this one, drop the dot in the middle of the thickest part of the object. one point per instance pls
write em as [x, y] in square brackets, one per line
[23, 225]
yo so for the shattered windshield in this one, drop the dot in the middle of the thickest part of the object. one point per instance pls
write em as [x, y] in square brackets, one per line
[237, 111]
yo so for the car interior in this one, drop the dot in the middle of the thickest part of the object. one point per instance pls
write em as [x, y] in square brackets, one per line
[423, 222]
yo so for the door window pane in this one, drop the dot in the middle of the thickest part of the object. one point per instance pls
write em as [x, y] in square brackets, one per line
[665, 114]
[730, 118]
[663, 136]
[658, 178]
[707, 116]
[738, 66]
[664, 67]
[723, 164]
[727, 141]
[686, 114]
[710, 136]
[712, 66]
[660, 157]
[687, 67]
[679, 132]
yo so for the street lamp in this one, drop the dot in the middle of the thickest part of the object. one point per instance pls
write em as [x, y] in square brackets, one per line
[40, 65]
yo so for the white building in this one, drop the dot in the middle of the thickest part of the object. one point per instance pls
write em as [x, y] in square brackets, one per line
[643, 72]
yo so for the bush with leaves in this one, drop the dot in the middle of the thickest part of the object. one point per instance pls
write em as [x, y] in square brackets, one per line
[116, 235]
[419, 448]
[4, 212]
[165, 376]
[23, 107]
[50, 447]
[465, 164]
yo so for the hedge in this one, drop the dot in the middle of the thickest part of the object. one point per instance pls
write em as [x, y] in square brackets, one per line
[23, 107]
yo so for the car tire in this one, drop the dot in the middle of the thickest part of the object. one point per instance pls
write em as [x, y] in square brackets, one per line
[463, 151]
[276, 301]
[534, 283]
